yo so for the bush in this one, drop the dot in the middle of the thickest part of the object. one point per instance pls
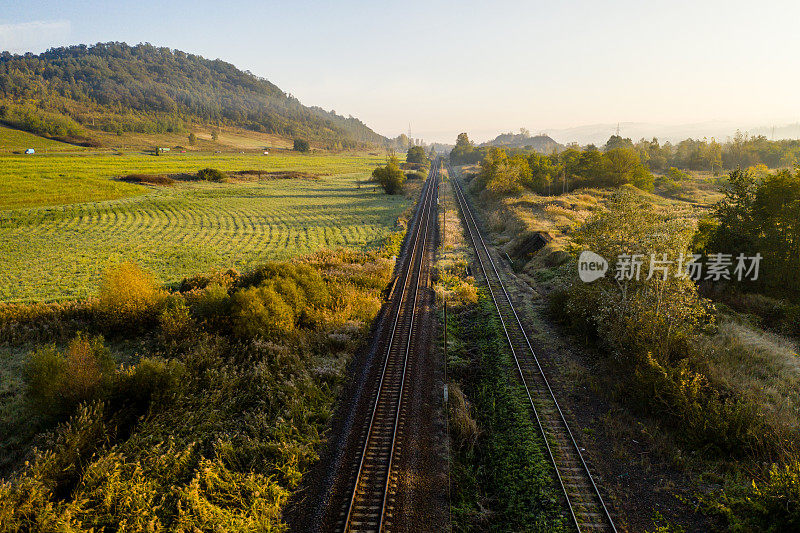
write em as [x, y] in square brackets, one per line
[416, 175]
[307, 279]
[772, 505]
[390, 177]
[675, 174]
[57, 382]
[261, 312]
[129, 297]
[135, 387]
[211, 174]
[44, 375]
[301, 145]
[153, 179]
[226, 278]
[709, 419]
[213, 306]
[175, 321]
[173, 444]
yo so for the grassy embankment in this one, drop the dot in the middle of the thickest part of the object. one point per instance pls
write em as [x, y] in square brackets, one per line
[500, 477]
[512, 219]
[54, 251]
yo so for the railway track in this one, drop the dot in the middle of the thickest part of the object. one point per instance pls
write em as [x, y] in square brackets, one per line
[586, 509]
[371, 500]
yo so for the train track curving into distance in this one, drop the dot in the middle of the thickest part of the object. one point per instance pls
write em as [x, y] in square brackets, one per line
[587, 510]
[371, 500]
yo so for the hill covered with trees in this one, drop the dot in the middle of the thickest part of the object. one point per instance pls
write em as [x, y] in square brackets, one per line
[539, 143]
[119, 88]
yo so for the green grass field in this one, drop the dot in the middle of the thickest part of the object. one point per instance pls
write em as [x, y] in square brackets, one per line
[12, 140]
[56, 252]
[46, 180]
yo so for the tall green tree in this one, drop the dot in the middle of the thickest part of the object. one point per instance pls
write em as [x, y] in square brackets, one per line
[502, 174]
[623, 166]
[416, 154]
[760, 217]
[464, 152]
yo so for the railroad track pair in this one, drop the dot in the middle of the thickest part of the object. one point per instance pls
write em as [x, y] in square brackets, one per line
[587, 510]
[371, 503]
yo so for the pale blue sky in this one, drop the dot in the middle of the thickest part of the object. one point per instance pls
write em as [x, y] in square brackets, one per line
[481, 67]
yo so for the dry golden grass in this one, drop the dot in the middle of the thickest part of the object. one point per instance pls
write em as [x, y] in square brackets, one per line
[463, 426]
[229, 139]
[759, 366]
[245, 140]
[701, 189]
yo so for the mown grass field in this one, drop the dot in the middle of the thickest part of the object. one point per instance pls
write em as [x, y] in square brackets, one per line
[55, 246]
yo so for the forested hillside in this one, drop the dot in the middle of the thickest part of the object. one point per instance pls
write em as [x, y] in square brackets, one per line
[115, 87]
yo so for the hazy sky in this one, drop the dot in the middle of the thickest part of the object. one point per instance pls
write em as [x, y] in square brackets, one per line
[481, 67]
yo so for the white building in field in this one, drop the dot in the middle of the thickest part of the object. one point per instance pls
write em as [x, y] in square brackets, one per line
[30, 151]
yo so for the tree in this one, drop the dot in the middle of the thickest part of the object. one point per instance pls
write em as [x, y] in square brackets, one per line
[589, 169]
[402, 142]
[642, 316]
[715, 156]
[463, 152]
[214, 135]
[416, 154]
[192, 138]
[542, 173]
[735, 214]
[776, 212]
[503, 175]
[390, 177]
[616, 141]
[301, 145]
[760, 217]
[623, 166]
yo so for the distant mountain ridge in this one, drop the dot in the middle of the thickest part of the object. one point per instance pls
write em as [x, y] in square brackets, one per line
[540, 143]
[144, 88]
[721, 130]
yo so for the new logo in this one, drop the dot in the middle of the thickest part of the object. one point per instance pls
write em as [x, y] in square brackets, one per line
[591, 266]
